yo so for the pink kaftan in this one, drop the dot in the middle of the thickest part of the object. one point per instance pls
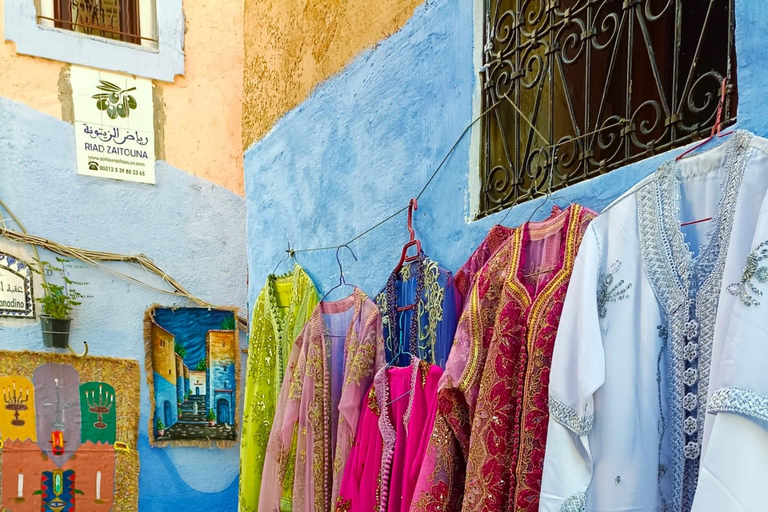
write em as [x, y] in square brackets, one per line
[391, 440]
[331, 367]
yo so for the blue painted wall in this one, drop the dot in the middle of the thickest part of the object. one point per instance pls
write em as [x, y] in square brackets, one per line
[368, 139]
[191, 229]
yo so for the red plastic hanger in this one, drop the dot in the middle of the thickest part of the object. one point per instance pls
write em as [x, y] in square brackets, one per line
[715, 129]
[412, 205]
[715, 132]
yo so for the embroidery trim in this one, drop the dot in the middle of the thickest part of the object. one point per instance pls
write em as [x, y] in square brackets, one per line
[607, 293]
[739, 400]
[373, 404]
[575, 503]
[744, 290]
[343, 504]
[568, 417]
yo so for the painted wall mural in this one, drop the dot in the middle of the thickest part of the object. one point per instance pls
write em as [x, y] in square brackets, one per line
[68, 433]
[192, 362]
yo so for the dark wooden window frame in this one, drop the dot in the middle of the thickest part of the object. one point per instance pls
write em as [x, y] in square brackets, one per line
[605, 82]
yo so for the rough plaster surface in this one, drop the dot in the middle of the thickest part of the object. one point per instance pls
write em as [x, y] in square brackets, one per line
[192, 229]
[203, 109]
[200, 114]
[366, 140]
[292, 45]
[27, 79]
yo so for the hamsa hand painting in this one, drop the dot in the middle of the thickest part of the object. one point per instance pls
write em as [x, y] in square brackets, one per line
[68, 433]
[193, 361]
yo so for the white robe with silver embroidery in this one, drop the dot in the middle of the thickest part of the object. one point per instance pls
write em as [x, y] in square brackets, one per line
[644, 337]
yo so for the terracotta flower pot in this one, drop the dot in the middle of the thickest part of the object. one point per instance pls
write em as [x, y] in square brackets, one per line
[161, 433]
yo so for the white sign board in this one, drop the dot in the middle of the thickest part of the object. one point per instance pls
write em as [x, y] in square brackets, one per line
[15, 288]
[114, 125]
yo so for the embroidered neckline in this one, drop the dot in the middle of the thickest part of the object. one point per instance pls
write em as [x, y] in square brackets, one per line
[559, 221]
[281, 323]
[386, 426]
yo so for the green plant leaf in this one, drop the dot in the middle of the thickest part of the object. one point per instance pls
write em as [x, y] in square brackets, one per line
[78, 491]
[100, 95]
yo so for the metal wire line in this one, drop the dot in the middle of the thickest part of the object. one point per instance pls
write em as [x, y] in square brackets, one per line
[291, 252]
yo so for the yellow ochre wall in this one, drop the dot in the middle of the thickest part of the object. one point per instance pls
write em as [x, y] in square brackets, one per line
[200, 116]
[292, 45]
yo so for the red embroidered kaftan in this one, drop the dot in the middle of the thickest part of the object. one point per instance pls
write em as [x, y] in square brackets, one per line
[487, 447]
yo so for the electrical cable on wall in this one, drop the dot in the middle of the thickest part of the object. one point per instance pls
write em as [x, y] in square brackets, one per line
[98, 258]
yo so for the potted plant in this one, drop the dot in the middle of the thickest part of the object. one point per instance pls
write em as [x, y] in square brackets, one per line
[160, 428]
[58, 302]
[211, 418]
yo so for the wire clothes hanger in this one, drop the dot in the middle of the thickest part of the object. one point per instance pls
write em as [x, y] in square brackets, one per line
[548, 198]
[291, 255]
[714, 133]
[342, 280]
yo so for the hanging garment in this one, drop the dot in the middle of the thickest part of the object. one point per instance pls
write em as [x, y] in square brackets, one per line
[281, 310]
[332, 365]
[391, 440]
[465, 276]
[492, 400]
[643, 331]
[428, 334]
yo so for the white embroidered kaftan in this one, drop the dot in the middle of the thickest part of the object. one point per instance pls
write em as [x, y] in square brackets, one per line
[643, 332]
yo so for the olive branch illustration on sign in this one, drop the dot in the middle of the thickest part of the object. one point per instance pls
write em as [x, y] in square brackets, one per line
[115, 101]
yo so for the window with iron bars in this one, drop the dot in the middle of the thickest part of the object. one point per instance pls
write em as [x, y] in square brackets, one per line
[603, 83]
[119, 20]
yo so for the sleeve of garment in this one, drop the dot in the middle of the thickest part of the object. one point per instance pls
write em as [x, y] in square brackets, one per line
[258, 407]
[279, 460]
[578, 370]
[450, 318]
[440, 483]
[734, 463]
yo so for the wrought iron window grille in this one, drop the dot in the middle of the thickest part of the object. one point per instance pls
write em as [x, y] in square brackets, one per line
[111, 19]
[604, 83]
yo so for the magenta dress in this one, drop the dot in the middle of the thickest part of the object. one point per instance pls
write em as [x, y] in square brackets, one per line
[392, 438]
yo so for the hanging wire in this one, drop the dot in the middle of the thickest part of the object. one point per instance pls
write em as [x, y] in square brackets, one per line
[418, 196]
